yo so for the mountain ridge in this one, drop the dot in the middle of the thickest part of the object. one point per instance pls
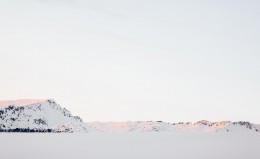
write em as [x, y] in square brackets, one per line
[21, 102]
[158, 126]
[45, 115]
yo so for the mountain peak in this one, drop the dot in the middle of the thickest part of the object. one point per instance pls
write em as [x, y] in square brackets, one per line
[44, 115]
[23, 102]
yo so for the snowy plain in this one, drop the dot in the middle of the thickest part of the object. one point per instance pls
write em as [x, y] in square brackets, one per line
[130, 145]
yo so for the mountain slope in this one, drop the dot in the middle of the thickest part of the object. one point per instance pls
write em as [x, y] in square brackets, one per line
[37, 116]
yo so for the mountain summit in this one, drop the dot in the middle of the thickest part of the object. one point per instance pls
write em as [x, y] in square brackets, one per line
[21, 102]
[37, 116]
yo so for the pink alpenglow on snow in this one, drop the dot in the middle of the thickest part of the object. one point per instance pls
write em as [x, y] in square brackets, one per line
[21, 102]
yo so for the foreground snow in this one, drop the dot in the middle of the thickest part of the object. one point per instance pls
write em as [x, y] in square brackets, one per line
[147, 145]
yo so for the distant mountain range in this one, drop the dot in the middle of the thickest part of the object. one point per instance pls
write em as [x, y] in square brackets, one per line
[48, 116]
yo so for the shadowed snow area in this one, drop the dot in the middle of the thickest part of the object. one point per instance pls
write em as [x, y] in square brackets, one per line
[131, 146]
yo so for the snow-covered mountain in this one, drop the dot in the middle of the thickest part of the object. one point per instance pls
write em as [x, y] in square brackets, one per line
[37, 116]
[159, 126]
[48, 116]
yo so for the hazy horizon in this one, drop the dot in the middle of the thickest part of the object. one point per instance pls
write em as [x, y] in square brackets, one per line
[110, 60]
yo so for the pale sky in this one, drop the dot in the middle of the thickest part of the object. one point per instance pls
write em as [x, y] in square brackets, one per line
[117, 60]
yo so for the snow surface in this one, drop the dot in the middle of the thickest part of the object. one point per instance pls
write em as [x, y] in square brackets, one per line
[148, 145]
